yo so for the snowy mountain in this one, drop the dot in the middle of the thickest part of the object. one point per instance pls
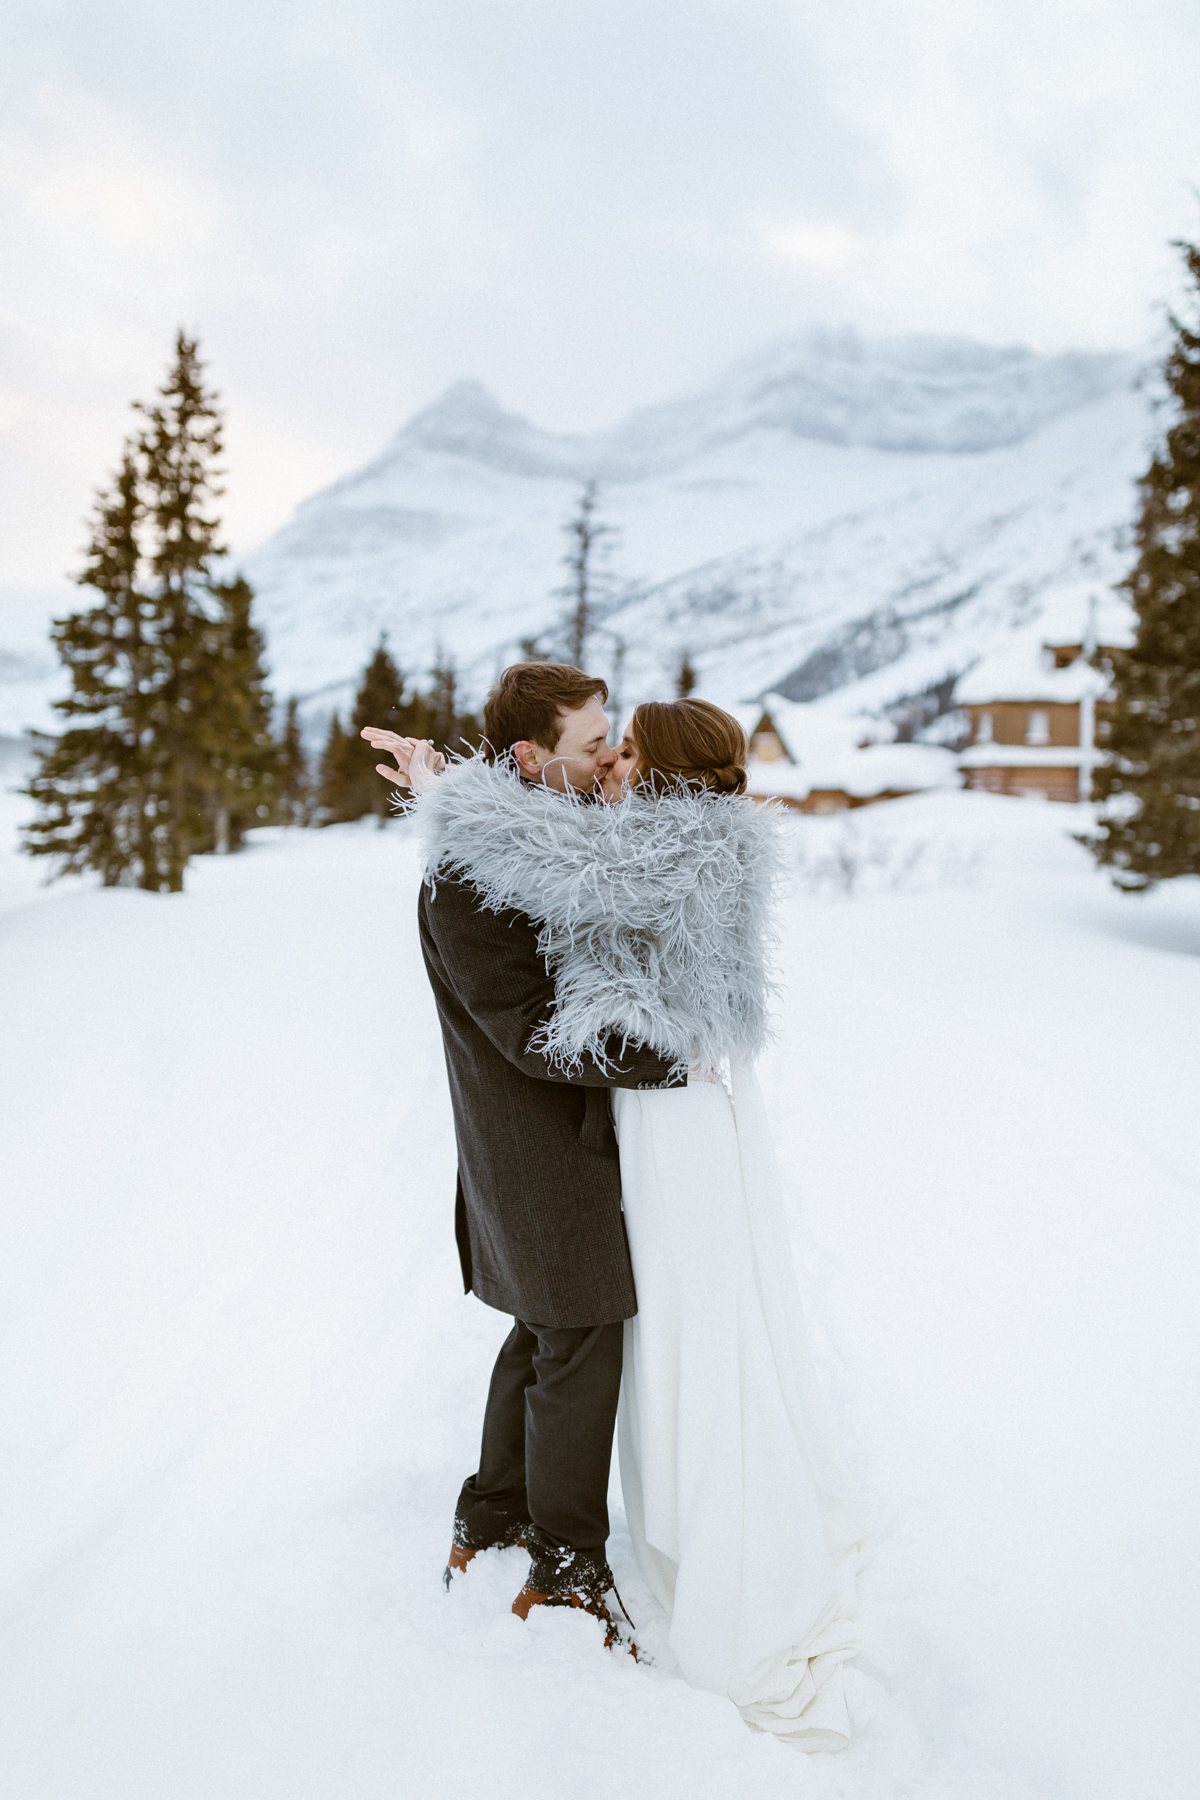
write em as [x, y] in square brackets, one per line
[835, 514]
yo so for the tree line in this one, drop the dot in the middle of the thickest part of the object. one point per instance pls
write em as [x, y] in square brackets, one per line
[346, 785]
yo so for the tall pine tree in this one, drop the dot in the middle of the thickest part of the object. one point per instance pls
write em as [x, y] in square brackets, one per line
[335, 775]
[95, 782]
[445, 721]
[243, 768]
[293, 802]
[204, 726]
[380, 701]
[181, 444]
[589, 581]
[1151, 832]
[348, 787]
[175, 753]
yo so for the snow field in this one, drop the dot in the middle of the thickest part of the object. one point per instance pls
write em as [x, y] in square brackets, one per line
[239, 1384]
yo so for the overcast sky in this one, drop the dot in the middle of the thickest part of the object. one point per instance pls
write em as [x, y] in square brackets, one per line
[589, 204]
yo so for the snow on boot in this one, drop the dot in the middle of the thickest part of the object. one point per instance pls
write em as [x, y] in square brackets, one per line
[561, 1576]
[468, 1541]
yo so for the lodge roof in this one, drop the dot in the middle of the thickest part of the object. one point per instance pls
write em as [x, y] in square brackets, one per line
[1018, 674]
[810, 729]
[1022, 668]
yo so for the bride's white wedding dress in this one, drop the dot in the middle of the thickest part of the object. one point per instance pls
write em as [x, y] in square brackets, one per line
[740, 1508]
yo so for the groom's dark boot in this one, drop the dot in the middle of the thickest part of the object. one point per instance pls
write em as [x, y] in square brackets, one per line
[493, 1506]
[561, 1576]
[470, 1537]
[545, 1456]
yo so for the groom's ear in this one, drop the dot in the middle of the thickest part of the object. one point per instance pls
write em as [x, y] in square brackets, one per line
[529, 757]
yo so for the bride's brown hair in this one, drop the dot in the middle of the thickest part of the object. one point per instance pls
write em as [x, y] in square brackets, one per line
[689, 740]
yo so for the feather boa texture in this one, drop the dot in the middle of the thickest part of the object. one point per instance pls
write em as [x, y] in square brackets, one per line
[655, 914]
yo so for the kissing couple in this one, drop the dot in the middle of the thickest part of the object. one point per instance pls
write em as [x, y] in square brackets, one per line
[597, 926]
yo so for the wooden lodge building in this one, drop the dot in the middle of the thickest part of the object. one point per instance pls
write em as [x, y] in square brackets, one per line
[819, 761]
[1031, 710]
[1033, 715]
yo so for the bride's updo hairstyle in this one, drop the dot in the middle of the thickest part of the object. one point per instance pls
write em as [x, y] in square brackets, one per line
[692, 741]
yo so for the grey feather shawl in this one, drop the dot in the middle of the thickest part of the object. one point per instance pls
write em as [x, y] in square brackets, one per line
[655, 914]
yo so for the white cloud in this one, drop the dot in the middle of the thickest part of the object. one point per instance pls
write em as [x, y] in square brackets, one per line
[589, 206]
[810, 246]
[1039, 156]
[93, 184]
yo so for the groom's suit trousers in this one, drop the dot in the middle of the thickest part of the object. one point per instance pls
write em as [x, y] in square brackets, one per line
[548, 1433]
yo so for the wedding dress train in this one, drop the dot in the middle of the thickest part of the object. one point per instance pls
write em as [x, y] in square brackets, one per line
[741, 1510]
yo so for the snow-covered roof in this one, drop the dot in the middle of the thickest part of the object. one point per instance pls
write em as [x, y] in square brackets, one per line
[874, 770]
[812, 730]
[1023, 671]
[1022, 668]
[746, 712]
[1064, 615]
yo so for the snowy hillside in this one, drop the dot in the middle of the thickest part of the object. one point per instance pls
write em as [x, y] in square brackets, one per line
[864, 518]
[833, 515]
[240, 1385]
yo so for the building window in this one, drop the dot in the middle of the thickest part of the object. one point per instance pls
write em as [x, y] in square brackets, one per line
[983, 728]
[1037, 729]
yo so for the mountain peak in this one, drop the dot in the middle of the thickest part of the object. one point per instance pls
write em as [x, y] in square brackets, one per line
[467, 398]
[467, 420]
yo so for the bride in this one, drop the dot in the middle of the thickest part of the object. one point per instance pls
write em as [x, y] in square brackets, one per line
[655, 920]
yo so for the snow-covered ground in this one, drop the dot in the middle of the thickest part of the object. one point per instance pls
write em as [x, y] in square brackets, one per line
[240, 1384]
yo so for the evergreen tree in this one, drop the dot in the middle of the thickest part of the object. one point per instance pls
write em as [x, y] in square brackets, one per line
[180, 444]
[95, 783]
[588, 582]
[348, 785]
[292, 806]
[174, 753]
[1152, 736]
[685, 676]
[616, 679]
[336, 775]
[444, 721]
[380, 701]
[242, 768]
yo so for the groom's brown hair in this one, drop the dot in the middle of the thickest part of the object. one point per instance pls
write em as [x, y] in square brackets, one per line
[527, 701]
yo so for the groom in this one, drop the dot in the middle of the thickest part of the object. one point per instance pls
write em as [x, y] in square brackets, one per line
[538, 1208]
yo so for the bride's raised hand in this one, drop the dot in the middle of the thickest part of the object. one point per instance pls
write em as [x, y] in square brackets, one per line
[400, 747]
[432, 762]
[425, 764]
